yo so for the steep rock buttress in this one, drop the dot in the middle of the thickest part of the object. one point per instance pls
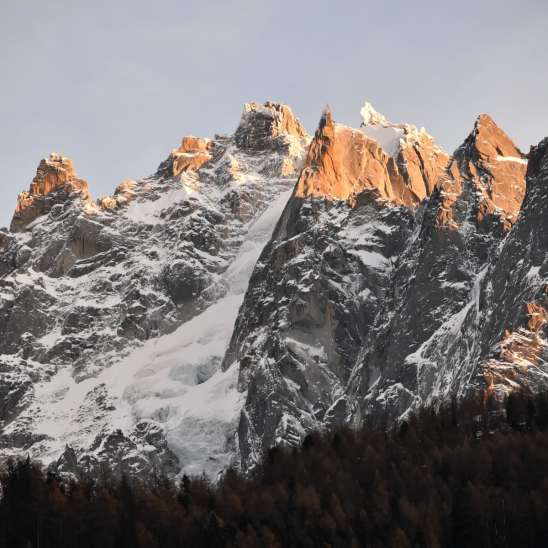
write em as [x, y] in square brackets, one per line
[320, 283]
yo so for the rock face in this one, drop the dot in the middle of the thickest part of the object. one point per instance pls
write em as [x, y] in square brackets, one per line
[370, 301]
[124, 193]
[513, 343]
[55, 181]
[260, 285]
[428, 347]
[342, 163]
[267, 126]
[132, 301]
[191, 155]
[320, 284]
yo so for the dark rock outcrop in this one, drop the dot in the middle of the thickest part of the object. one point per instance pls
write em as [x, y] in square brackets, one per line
[267, 126]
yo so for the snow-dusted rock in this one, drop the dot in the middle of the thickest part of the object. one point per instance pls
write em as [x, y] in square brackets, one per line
[426, 348]
[368, 303]
[260, 285]
[320, 286]
[114, 315]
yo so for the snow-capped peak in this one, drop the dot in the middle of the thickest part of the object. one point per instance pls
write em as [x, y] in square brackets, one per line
[370, 117]
[390, 136]
[378, 128]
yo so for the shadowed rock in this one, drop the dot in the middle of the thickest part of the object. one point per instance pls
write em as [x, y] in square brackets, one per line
[266, 126]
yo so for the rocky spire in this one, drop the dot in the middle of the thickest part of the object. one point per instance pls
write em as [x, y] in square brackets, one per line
[343, 162]
[267, 126]
[55, 182]
[370, 117]
[495, 167]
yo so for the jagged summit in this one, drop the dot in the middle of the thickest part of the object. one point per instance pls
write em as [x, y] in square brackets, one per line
[493, 165]
[54, 183]
[343, 162]
[394, 137]
[263, 128]
[267, 126]
[488, 142]
[370, 117]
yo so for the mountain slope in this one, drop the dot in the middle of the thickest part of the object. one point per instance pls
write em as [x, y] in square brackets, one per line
[132, 298]
[369, 303]
[322, 281]
[514, 349]
[429, 347]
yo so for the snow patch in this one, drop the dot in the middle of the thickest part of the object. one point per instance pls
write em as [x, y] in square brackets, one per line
[512, 159]
[389, 138]
[148, 211]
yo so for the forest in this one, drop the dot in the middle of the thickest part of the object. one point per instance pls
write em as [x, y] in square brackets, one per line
[466, 474]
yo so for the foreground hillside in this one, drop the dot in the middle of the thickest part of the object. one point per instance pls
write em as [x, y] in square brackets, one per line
[441, 479]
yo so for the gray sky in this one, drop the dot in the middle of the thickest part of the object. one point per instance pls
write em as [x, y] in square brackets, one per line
[115, 84]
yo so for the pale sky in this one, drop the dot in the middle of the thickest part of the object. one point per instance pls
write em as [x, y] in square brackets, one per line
[116, 84]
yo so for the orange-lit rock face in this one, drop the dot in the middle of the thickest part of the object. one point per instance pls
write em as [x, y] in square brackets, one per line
[490, 162]
[285, 122]
[537, 316]
[343, 162]
[193, 153]
[421, 163]
[521, 348]
[55, 181]
[124, 193]
[516, 353]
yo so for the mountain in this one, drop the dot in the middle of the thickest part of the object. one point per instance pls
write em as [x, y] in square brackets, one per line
[265, 284]
[322, 281]
[115, 313]
[382, 286]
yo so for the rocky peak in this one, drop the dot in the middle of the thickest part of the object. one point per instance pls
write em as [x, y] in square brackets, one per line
[267, 126]
[51, 173]
[490, 169]
[490, 141]
[344, 163]
[55, 182]
[370, 117]
[419, 159]
[193, 153]
[124, 193]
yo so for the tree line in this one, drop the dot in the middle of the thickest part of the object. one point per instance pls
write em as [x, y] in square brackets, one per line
[466, 474]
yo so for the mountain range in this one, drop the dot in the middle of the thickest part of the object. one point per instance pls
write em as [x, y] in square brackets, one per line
[265, 284]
